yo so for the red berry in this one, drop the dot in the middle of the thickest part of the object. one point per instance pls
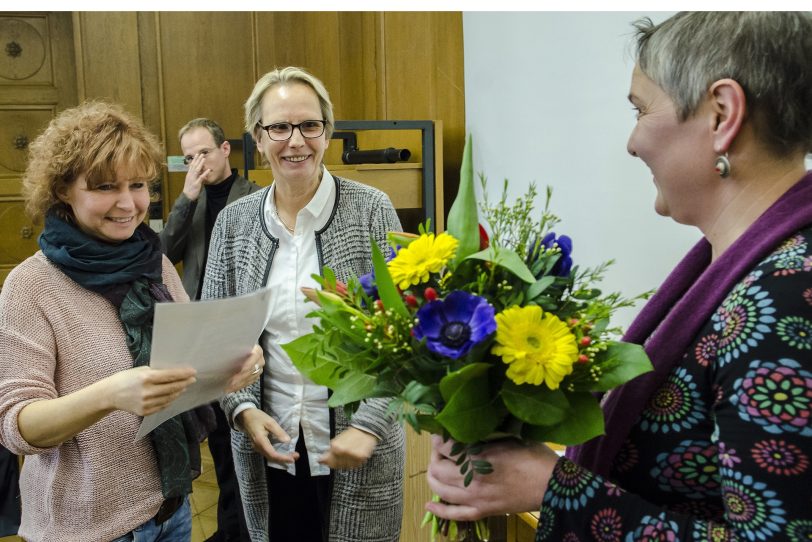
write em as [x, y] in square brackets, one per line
[586, 340]
[410, 300]
[430, 294]
[379, 305]
[583, 358]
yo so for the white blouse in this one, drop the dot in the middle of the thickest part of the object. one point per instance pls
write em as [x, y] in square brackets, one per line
[292, 398]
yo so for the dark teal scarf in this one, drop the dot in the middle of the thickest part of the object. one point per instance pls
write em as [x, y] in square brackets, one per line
[129, 275]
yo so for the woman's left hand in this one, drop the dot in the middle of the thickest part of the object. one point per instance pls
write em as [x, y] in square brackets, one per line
[350, 449]
[250, 371]
[517, 484]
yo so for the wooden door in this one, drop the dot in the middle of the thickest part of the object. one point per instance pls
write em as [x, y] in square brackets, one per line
[37, 80]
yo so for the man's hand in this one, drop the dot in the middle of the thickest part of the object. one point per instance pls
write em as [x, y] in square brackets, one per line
[196, 177]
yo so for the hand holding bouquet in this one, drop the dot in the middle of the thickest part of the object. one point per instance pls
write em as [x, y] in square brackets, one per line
[474, 338]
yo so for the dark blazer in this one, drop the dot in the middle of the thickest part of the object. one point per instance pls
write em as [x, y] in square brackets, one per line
[183, 236]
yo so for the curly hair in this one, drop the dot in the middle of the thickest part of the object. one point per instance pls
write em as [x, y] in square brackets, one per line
[95, 139]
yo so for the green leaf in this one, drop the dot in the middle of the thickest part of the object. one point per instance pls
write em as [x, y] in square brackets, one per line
[583, 421]
[353, 387]
[632, 361]
[305, 354]
[402, 239]
[463, 220]
[507, 259]
[539, 286]
[537, 405]
[470, 413]
[386, 286]
[453, 381]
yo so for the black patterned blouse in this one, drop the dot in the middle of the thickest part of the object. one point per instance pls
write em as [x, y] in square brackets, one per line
[722, 450]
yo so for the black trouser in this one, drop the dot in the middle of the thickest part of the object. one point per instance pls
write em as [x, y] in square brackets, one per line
[9, 493]
[299, 505]
[230, 518]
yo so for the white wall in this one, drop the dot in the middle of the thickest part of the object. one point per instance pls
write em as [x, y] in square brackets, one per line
[545, 101]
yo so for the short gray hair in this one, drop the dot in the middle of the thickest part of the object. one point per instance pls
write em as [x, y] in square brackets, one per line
[282, 76]
[767, 53]
[214, 129]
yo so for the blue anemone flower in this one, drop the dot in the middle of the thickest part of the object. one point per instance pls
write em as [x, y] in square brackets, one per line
[564, 264]
[368, 284]
[368, 280]
[452, 326]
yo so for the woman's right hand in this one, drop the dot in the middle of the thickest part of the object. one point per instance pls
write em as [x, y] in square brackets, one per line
[258, 425]
[143, 391]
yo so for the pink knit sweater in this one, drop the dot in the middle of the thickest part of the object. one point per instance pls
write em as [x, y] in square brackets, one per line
[55, 338]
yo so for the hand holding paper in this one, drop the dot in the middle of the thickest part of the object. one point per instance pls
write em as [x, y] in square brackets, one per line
[218, 338]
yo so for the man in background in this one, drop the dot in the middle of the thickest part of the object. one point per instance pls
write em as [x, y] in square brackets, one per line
[210, 185]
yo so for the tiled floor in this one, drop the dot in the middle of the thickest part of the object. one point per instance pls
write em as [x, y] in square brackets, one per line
[204, 501]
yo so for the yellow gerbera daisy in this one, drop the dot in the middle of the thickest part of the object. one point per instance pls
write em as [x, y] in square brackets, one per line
[538, 346]
[426, 254]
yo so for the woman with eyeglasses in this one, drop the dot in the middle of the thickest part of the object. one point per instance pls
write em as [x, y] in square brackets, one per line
[306, 473]
[75, 333]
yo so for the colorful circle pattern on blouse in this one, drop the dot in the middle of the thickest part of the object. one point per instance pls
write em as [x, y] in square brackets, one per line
[706, 530]
[776, 396]
[711, 532]
[606, 526]
[745, 316]
[751, 507]
[626, 458]
[796, 331]
[545, 524]
[780, 457]
[675, 406]
[706, 350]
[655, 528]
[800, 530]
[794, 246]
[807, 295]
[570, 487]
[691, 469]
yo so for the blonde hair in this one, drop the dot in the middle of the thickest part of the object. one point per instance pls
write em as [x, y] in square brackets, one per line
[213, 128]
[282, 76]
[95, 139]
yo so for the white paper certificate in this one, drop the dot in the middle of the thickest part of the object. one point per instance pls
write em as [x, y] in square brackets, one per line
[213, 336]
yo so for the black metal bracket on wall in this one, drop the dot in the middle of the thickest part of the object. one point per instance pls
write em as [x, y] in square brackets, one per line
[344, 127]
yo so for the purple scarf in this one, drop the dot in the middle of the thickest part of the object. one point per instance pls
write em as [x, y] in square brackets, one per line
[671, 320]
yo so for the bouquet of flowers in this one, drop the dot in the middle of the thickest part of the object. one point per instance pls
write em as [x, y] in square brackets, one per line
[474, 337]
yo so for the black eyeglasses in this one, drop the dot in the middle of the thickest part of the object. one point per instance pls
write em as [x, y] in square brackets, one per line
[282, 131]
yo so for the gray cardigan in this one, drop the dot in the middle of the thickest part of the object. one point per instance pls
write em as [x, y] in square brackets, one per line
[366, 503]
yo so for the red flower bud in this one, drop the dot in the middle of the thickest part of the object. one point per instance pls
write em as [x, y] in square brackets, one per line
[573, 322]
[484, 241]
[379, 305]
[430, 294]
[410, 300]
[586, 340]
[583, 358]
[341, 288]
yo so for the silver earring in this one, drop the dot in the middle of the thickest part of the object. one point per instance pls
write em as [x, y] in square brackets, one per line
[722, 166]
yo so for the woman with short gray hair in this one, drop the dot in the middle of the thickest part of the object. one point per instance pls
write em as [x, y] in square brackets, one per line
[715, 443]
